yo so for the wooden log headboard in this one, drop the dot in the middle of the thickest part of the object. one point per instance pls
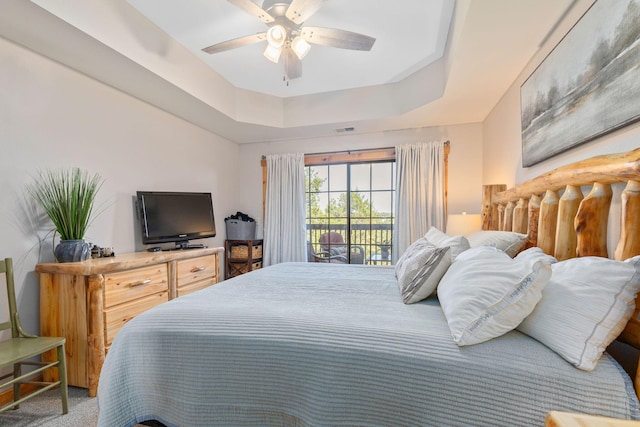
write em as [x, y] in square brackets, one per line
[566, 213]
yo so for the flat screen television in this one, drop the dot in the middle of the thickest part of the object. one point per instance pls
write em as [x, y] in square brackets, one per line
[175, 217]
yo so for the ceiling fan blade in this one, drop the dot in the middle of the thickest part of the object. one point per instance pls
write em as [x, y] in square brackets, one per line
[292, 65]
[301, 10]
[232, 44]
[253, 9]
[337, 38]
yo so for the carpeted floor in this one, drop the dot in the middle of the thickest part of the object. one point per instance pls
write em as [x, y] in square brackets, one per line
[46, 410]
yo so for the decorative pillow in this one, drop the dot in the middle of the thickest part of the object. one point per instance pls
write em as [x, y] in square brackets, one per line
[485, 293]
[507, 241]
[338, 250]
[458, 244]
[418, 243]
[421, 270]
[585, 306]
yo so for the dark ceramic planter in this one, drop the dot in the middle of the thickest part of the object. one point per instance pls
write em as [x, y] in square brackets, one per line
[72, 251]
[384, 251]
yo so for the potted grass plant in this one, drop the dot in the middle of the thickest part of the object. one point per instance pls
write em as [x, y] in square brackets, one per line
[67, 196]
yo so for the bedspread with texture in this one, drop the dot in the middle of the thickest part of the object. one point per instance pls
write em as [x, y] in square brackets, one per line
[300, 344]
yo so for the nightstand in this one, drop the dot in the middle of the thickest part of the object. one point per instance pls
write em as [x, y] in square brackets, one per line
[566, 419]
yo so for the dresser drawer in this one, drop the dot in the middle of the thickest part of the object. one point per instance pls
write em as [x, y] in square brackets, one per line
[192, 287]
[115, 317]
[195, 270]
[128, 285]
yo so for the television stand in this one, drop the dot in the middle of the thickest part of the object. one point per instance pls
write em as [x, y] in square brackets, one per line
[185, 245]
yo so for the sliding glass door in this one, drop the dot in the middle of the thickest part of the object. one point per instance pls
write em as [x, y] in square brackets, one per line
[350, 212]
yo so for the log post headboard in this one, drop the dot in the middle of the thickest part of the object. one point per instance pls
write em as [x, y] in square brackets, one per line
[566, 213]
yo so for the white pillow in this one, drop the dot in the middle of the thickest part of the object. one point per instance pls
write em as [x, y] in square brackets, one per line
[585, 306]
[458, 244]
[534, 254]
[485, 293]
[421, 270]
[508, 241]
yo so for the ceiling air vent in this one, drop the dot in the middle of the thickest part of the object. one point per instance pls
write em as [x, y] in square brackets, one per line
[349, 129]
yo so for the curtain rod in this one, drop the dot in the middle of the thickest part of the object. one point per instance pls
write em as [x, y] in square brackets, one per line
[447, 143]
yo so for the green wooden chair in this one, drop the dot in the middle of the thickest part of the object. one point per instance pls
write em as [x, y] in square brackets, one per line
[17, 350]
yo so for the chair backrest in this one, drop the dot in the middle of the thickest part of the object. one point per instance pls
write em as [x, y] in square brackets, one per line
[331, 239]
[6, 269]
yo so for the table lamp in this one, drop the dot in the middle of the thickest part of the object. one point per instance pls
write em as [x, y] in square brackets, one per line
[463, 224]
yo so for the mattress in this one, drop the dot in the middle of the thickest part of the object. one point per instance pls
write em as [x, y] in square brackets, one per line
[300, 344]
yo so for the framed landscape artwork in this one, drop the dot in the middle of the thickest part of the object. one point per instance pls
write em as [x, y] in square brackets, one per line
[587, 86]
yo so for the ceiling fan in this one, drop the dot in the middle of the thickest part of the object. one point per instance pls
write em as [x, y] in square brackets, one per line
[287, 35]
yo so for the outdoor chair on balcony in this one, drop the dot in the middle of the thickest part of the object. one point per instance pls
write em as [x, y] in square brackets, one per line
[321, 256]
[334, 249]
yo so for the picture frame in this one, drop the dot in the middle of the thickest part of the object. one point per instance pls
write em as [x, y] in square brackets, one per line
[587, 86]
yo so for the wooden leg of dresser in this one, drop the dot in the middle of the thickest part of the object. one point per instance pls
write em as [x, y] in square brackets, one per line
[95, 341]
[49, 321]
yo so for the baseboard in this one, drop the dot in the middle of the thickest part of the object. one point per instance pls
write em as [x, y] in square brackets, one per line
[7, 396]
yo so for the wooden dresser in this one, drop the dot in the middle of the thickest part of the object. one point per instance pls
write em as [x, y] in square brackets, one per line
[88, 302]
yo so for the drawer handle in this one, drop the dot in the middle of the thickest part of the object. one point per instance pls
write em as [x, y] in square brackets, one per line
[140, 283]
[197, 269]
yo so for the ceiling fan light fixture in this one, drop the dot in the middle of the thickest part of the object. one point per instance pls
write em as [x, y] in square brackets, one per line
[276, 36]
[273, 53]
[288, 36]
[300, 47]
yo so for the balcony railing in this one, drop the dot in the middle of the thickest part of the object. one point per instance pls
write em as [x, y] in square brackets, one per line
[374, 239]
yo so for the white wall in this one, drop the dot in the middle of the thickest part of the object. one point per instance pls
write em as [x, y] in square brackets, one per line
[502, 159]
[52, 116]
[465, 165]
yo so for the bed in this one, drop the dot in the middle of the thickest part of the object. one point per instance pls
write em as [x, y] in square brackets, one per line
[300, 344]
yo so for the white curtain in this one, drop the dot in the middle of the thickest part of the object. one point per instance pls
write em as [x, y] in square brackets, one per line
[284, 223]
[420, 201]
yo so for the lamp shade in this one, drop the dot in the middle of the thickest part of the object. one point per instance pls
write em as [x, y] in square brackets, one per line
[300, 47]
[276, 36]
[463, 224]
[272, 53]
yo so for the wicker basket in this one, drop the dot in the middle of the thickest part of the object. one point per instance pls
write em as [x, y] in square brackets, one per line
[242, 251]
[245, 268]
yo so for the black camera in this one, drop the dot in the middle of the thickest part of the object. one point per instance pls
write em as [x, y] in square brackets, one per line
[98, 252]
